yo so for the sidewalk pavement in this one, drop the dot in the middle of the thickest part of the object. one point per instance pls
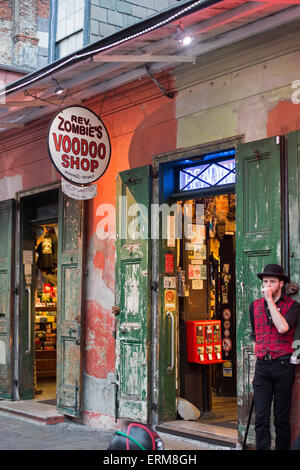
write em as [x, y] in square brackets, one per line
[17, 433]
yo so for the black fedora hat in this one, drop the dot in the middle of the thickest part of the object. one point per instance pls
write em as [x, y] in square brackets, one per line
[274, 270]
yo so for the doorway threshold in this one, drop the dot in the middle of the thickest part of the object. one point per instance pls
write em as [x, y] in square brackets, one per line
[32, 410]
[202, 432]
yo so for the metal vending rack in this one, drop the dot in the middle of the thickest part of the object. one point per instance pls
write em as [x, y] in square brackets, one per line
[204, 342]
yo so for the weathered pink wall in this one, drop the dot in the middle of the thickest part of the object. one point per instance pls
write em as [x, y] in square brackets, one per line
[7, 77]
[141, 123]
[24, 160]
[283, 118]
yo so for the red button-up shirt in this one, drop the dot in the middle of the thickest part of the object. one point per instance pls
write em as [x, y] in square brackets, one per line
[267, 338]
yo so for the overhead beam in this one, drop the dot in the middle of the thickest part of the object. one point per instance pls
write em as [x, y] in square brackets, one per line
[204, 28]
[143, 58]
[92, 91]
[22, 104]
[243, 32]
[116, 82]
[274, 2]
[11, 125]
[37, 103]
[104, 70]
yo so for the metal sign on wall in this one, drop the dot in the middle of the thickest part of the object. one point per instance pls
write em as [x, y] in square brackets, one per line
[78, 192]
[79, 145]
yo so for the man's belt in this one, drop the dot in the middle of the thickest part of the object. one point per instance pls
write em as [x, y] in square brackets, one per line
[268, 357]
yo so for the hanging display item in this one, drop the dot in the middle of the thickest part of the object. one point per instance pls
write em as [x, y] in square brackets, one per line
[28, 261]
[79, 145]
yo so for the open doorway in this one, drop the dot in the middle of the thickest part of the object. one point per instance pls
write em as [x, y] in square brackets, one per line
[45, 311]
[51, 274]
[38, 281]
[197, 271]
[206, 263]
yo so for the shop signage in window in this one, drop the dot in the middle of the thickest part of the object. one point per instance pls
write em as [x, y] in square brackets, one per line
[169, 263]
[79, 145]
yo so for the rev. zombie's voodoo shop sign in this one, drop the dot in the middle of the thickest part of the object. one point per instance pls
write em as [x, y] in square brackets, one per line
[79, 145]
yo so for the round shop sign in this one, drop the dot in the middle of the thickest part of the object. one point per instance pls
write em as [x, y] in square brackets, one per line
[79, 145]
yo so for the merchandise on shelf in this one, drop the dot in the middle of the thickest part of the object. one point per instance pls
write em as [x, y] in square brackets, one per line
[45, 326]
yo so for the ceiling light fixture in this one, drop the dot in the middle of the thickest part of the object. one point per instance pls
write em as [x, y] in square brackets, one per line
[184, 38]
[59, 89]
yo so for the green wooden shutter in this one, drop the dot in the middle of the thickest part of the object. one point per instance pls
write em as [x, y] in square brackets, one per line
[258, 242]
[69, 307]
[169, 332]
[133, 293]
[6, 312]
[294, 212]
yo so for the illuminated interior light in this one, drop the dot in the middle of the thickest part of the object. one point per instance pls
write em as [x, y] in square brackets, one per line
[186, 40]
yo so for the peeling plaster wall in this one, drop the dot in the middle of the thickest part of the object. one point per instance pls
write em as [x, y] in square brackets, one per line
[9, 186]
[141, 122]
[7, 77]
[24, 161]
[254, 101]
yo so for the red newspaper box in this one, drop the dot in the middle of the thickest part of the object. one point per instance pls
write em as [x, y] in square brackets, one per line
[204, 342]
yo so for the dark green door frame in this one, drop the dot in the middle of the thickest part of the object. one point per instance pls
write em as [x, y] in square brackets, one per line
[162, 391]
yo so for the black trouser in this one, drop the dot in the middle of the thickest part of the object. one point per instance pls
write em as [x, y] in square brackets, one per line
[273, 379]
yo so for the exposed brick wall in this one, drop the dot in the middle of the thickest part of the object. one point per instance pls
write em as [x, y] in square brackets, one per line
[6, 10]
[26, 41]
[43, 14]
[43, 8]
[6, 16]
[109, 16]
[24, 33]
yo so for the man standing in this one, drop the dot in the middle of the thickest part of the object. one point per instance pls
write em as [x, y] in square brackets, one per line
[273, 319]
